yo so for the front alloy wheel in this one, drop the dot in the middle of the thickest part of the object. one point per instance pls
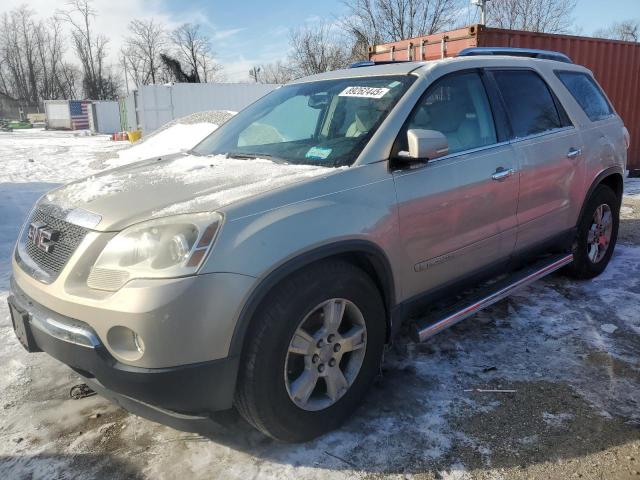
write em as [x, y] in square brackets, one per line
[312, 349]
[325, 354]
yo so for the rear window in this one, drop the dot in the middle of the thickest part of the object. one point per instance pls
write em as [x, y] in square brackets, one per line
[587, 93]
[529, 102]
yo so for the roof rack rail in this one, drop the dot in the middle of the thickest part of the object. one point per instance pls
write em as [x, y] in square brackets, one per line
[516, 52]
[371, 63]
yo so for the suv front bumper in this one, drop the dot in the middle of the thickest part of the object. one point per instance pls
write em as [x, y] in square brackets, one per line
[192, 389]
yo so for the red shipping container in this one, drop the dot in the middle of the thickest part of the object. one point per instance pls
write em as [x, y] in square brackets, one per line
[615, 64]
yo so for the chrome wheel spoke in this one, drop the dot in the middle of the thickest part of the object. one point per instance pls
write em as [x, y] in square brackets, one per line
[333, 313]
[336, 383]
[354, 339]
[303, 386]
[302, 343]
[597, 216]
[591, 236]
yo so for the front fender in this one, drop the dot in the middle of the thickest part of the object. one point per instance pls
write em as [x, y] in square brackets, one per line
[354, 213]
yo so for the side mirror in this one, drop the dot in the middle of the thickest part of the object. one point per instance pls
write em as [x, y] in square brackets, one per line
[425, 145]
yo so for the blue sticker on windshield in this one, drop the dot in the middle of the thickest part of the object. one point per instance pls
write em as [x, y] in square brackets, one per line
[318, 153]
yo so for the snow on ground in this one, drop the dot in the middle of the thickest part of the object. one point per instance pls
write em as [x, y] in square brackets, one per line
[53, 157]
[569, 349]
[632, 187]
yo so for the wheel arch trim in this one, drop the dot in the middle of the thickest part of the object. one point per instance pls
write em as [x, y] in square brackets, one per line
[380, 263]
[609, 172]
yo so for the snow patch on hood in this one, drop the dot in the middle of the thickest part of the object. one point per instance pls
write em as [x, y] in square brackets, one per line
[87, 190]
[234, 179]
[212, 181]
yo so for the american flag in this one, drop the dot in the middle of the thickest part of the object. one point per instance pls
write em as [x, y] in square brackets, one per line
[79, 114]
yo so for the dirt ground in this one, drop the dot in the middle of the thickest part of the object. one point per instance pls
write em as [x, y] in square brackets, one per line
[569, 350]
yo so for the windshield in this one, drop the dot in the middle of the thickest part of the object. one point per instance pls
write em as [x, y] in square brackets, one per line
[318, 123]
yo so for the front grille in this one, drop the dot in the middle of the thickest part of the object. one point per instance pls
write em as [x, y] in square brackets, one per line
[69, 239]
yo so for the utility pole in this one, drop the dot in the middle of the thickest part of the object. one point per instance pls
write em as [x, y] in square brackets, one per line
[483, 9]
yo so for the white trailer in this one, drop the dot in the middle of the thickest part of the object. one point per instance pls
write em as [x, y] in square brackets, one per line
[58, 114]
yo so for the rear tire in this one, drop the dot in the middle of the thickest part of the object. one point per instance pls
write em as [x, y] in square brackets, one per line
[283, 346]
[597, 234]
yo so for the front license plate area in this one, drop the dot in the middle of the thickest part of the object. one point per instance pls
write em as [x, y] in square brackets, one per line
[20, 321]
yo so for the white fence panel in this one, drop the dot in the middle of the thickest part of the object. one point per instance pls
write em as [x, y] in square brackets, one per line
[154, 106]
[159, 104]
[107, 117]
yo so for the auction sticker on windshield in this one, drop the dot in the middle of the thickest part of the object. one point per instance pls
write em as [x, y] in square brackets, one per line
[318, 153]
[364, 92]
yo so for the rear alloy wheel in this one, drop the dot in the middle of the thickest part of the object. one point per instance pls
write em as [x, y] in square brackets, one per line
[597, 233]
[599, 236]
[312, 349]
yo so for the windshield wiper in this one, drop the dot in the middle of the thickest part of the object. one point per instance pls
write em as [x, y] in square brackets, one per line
[245, 156]
[254, 156]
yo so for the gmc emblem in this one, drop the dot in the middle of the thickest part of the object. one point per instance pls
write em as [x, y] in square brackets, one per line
[42, 236]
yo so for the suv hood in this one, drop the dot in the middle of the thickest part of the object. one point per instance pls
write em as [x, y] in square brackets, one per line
[180, 183]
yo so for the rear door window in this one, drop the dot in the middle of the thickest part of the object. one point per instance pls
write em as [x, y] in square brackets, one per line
[530, 105]
[587, 93]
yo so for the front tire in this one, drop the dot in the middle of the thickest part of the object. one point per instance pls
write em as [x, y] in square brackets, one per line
[597, 234]
[312, 350]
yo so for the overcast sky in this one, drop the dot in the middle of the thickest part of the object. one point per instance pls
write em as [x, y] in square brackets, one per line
[250, 32]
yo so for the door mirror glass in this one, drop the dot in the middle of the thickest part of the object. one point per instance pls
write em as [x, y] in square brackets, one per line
[425, 145]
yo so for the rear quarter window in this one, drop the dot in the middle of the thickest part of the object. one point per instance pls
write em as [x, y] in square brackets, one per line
[587, 93]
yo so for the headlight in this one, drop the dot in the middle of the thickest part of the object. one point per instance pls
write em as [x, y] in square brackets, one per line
[164, 248]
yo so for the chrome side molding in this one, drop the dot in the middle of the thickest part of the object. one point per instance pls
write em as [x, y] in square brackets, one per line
[434, 324]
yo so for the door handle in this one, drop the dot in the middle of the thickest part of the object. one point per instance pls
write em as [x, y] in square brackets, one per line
[502, 174]
[574, 152]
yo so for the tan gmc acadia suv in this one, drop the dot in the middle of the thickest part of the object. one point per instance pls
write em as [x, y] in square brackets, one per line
[267, 268]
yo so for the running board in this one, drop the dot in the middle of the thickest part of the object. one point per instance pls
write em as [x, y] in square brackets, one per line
[441, 320]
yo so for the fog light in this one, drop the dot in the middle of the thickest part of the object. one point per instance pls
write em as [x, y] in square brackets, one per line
[125, 343]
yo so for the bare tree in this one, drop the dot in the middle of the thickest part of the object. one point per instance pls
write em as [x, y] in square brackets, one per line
[255, 72]
[194, 51]
[370, 22]
[19, 53]
[31, 58]
[69, 81]
[551, 16]
[142, 49]
[317, 50]
[628, 30]
[277, 72]
[54, 72]
[98, 81]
